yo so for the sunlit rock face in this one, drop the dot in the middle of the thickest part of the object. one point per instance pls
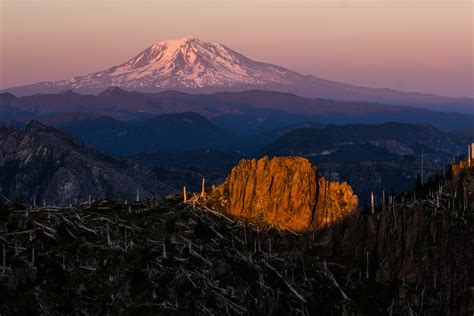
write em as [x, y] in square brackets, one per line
[286, 192]
[335, 201]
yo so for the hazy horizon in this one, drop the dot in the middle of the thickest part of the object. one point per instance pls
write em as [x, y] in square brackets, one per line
[421, 46]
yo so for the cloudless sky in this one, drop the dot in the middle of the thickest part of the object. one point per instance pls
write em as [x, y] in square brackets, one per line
[409, 45]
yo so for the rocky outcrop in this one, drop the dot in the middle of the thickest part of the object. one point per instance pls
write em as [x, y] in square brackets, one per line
[286, 192]
[335, 202]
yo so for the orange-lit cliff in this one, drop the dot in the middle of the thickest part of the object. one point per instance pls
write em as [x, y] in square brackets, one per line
[285, 192]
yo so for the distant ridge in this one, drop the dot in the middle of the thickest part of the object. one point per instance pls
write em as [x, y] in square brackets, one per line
[191, 65]
[247, 111]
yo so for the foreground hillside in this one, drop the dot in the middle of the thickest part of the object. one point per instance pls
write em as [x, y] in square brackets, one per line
[411, 255]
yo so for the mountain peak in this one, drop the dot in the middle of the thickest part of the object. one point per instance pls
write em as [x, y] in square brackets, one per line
[67, 92]
[186, 62]
[8, 95]
[6, 98]
[181, 40]
[177, 43]
[36, 126]
[189, 63]
[113, 90]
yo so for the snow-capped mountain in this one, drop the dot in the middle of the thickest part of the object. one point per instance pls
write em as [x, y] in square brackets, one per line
[191, 65]
[183, 63]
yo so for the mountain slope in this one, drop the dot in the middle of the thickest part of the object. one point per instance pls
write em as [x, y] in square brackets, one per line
[44, 163]
[395, 138]
[177, 131]
[182, 63]
[372, 158]
[8, 112]
[189, 64]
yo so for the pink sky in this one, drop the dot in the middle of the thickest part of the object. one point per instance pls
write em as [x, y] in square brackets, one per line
[415, 45]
